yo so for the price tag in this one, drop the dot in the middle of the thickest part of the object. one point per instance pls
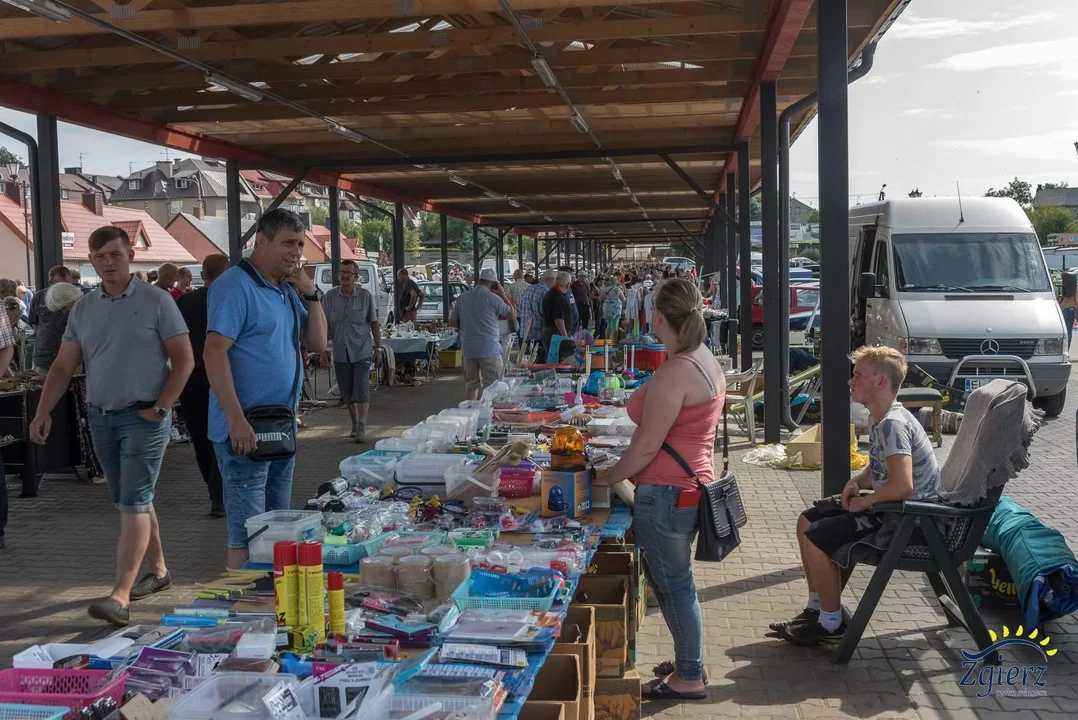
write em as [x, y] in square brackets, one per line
[282, 702]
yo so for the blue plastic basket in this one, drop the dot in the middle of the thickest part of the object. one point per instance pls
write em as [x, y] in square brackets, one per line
[386, 453]
[350, 554]
[31, 712]
[464, 600]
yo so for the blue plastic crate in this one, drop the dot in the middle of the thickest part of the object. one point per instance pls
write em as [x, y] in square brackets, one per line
[464, 600]
[351, 554]
[31, 712]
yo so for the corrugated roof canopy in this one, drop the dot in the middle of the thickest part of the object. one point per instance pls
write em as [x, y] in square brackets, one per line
[441, 79]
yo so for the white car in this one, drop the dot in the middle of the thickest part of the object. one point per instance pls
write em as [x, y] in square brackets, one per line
[431, 309]
[679, 263]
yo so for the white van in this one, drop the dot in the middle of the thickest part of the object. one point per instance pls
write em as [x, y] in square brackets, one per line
[962, 289]
[509, 265]
[370, 278]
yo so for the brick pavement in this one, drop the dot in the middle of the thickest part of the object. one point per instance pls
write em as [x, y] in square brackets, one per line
[60, 547]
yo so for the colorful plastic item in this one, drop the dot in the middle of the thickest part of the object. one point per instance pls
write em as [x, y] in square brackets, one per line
[71, 689]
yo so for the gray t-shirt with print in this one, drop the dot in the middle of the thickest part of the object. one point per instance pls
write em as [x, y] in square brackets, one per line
[899, 433]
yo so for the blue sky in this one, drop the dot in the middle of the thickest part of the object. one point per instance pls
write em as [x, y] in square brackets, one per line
[968, 91]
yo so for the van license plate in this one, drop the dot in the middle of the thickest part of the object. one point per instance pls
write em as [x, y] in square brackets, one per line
[974, 383]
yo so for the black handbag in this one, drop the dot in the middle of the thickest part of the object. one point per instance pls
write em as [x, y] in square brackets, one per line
[275, 425]
[720, 512]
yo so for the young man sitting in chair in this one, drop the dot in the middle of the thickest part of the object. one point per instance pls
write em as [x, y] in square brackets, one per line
[901, 466]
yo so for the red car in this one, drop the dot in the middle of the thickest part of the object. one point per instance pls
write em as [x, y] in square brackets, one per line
[803, 298]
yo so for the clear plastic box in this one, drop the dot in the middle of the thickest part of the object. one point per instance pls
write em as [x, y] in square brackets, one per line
[368, 471]
[399, 443]
[461, 483]
[294, 525]
[232, 696]
[471, 414]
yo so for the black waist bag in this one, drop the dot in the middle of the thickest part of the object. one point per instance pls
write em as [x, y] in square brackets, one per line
[275, 425]
[720, 512]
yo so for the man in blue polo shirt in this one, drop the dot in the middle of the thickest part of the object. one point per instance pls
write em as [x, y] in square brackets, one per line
[252, 361]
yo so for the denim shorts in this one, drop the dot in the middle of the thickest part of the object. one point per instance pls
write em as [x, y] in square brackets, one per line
[130, 450]
[251, 488]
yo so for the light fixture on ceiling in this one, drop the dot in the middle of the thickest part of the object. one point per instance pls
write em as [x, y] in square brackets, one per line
[420, 167]
[579, 122]
[617, 174]
[542, 69]
[494, 195]
[535, 212]
[548, 218]
[514, 203]
[457, 179]
[42, 8]
[347, 133]
[238, 87]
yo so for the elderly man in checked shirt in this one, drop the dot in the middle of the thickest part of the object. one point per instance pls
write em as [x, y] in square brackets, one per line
[531, 308]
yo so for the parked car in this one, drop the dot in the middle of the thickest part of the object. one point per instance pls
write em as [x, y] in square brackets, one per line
[679, 263]
[431, 309]
[803, 299]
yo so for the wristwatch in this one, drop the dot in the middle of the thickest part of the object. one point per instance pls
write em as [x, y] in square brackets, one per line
[161, 412]
[310, 298]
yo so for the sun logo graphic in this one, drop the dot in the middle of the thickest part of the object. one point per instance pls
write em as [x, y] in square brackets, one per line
[996, 676]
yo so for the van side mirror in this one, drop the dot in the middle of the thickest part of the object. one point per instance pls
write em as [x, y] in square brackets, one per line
[867, 288]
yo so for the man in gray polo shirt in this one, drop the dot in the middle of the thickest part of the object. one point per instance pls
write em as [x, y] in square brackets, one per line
[476, 313]
[133, 342]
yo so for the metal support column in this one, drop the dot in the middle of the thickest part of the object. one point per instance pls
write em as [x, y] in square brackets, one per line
[398, 254]
[833, 128]
[475, 252]
[743, 192]
[499, 256]
[772, 298]
[335, 231]
[445, 269]
[232, 204]
[46, 198]
[731, 270]
[535, 257]
[520, 253]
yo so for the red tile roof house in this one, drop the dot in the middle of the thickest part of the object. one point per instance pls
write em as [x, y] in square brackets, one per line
[80, 217]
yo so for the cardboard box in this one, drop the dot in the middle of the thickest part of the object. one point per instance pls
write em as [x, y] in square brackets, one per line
[989, 580]
[450, 358]
[608, 594]
[558, 681]
[578, 638]
[532, 710]
[566, 493]
[626, 564]
[810, 444]
[618, 698]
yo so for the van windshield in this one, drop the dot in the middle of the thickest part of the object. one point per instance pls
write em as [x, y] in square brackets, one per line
[935, 262]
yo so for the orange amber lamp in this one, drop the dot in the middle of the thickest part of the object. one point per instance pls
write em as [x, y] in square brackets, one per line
[567, 450]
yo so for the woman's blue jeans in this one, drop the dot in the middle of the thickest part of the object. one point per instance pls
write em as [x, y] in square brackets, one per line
[1068, 320]
[665, 534]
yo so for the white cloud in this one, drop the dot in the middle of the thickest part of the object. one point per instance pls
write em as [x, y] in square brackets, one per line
[940, 28]
[1067, 93]
[872, 80]
[935, 113]
[1057, 145]
[1046, 56]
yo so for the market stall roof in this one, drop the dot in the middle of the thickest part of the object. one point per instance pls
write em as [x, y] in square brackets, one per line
[474, 108]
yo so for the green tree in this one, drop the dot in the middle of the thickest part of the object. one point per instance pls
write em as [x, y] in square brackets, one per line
[1018, 190]
[412, 243]
[1048, 219]
[811, 253]
[6, 156]
[319, 215]
[374, 228]
[349, 228]
[755, 209]
[814, 215]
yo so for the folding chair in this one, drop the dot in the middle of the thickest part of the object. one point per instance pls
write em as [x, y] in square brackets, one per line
[991, 448]
[742, 400]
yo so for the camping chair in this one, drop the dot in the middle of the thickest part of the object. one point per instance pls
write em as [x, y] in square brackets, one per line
[991, 448]
[742, 401]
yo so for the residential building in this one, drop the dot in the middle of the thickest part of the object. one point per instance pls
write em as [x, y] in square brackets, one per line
[170, 188]
[268, 185]
[80, 217]
[799, 212]
[1062, 197]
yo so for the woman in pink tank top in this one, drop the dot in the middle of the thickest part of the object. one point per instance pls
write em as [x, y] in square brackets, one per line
[679, 407]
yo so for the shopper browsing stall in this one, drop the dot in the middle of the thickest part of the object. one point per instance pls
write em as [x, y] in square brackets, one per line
[476, 314]
[256, 311]
[531, 308]
[557, 318]
[7, 352]
[48, 326]
[352, 321]
[133, 344]
[680, 407]
[195, 398]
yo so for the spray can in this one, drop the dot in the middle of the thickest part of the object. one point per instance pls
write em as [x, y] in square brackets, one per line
[335, 582]
[286, 582]
[314, 599]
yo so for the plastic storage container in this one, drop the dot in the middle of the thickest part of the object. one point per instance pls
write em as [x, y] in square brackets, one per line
[461, 483]
[407, 445]
[438, 437]
[368, 471]
[464, 600]
[235, 696]
[486, 411]
[31, 712]
[70, 689]
[351, 554]
[471, 414]
[427, 468]
[294, 525]
[459, 423]
[519, 481]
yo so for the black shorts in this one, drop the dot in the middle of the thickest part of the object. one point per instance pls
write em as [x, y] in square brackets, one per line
[833, 528]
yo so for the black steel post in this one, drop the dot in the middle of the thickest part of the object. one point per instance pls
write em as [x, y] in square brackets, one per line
[731, 271]
[46, 197]
[743, 192]
[520, 253]
[535, 257]
[232, 205]
[833, 129]
[445, 269]
[398, 253]
[41, 267]
[475, 252]
[771, 298]
[335, 232]
[499, 256]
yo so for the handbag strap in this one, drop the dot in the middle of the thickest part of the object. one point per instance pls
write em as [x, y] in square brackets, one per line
[725, 427]
[288, 292]
[680, 461]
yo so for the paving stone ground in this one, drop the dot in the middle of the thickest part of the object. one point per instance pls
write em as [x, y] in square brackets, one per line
[60, 556]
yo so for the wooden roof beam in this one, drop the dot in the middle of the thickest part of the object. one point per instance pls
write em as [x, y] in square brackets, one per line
[258, 13]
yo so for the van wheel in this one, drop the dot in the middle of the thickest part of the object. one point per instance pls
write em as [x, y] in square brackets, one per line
[1052, 405]
[757, 337]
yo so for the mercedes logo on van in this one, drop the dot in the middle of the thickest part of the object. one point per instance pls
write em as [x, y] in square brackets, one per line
[990, 347]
